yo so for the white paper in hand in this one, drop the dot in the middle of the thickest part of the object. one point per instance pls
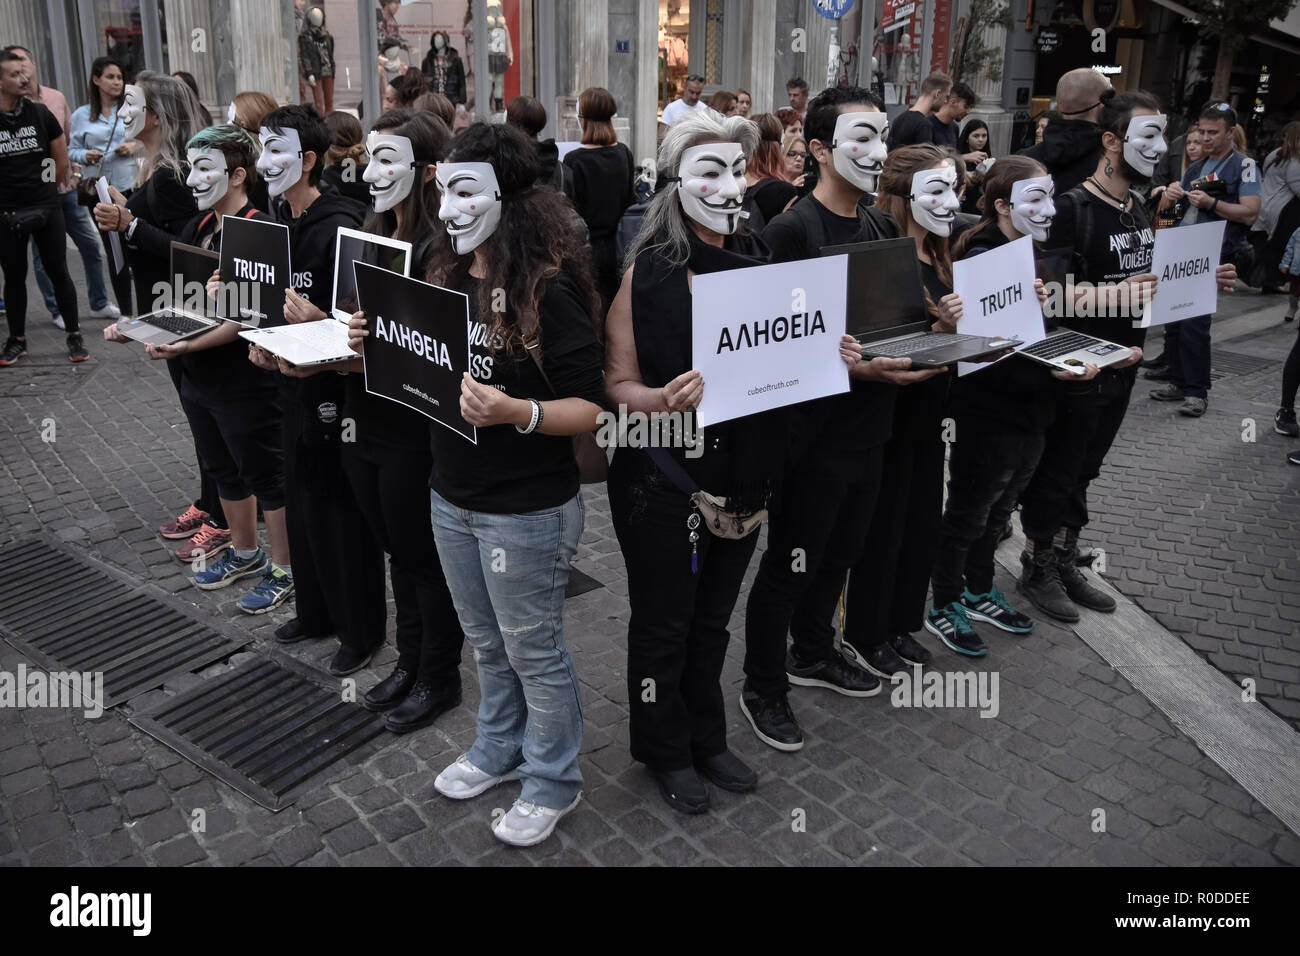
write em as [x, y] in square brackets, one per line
[1184, 262]
[998, 297]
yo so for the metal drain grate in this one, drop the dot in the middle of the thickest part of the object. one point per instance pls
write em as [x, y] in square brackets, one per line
[1224, 364]
[71, 614]
[264, 728]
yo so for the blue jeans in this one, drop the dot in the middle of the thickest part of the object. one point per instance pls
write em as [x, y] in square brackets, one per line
[77, 222]
[507, 574]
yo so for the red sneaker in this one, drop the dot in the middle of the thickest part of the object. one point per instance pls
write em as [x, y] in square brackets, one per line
[209, 542]
[184, 525]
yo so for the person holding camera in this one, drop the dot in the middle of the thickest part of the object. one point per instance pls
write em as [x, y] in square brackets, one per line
[33, 161]
[1222, 184]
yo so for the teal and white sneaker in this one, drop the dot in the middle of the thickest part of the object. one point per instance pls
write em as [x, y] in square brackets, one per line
[994, 609]
[229, 569]
[951, 625]
[273, 590]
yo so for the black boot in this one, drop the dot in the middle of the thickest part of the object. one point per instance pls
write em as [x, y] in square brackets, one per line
[422, 706]
[390, 691]
[1041, 583]
[1075, 581]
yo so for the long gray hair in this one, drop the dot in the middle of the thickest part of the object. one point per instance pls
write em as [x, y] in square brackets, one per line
[180, 116]
[665, 226]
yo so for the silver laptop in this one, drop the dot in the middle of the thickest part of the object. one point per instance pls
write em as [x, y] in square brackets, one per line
[887, 311]
[1070, 350]
[189, 265]
[326, 340]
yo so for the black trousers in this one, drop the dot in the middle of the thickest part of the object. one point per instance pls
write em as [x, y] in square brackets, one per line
[987, 470]
[338, 566]
[391, 486]
[886, 590]
[1088, 417]
[121, 281]
[52, 245]
[208, 500]
[815, 535]
[677, 633]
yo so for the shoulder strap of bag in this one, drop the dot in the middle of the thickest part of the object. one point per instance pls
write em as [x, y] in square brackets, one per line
[673, 470]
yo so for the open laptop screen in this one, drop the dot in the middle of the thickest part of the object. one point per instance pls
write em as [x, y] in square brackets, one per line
[885, 293]
[352, 246]
[193, 266]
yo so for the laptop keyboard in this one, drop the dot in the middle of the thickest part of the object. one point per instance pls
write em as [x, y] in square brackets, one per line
[326, 335]
[918, 343]
[1058, 345]
[176, 323]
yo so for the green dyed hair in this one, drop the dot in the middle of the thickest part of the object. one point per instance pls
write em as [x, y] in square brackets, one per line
[235, 142]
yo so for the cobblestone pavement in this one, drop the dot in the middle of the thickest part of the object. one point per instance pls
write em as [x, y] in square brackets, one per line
[874, 785]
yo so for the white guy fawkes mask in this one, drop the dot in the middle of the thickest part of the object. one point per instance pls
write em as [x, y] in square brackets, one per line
[934, 198]
[131, 112]
[470, 204]
[1032, 208]
[281, 161]
[230, 113]
[712, 185]
[858, 148]
[391, 170]
[1144, 142]
[208, 179]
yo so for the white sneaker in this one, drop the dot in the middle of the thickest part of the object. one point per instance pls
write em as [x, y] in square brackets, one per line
[58, 322]
[463, 780]
[527, 824]
[109, 311]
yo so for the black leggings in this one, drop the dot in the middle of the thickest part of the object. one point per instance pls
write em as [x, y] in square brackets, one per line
[1291, 374]
[52, 245]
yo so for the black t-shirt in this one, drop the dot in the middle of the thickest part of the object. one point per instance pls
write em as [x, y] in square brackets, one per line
[771, 196]
[25, 136]
[508, 472]
[226, 367]
[861, 418]
[945, 134]
[910, 129]
[1089, 241]
[164, 205]
[602, 186]
[920, 405]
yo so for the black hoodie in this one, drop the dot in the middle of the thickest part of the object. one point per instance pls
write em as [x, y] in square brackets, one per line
[1017, 392]
[311, 405]
[1069, 151]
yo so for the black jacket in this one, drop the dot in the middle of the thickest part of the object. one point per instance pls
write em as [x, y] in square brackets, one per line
[1016, 393]
[454, 75]
[312, 405]
[1070, 150]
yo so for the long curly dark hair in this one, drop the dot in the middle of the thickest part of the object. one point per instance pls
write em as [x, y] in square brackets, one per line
[536, 240]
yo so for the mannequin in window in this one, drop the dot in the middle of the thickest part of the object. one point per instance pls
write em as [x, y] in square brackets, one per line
[444, 69]
[500, 53]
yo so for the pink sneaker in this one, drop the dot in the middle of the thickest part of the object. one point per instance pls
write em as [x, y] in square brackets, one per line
[209, 542]
[184, 525]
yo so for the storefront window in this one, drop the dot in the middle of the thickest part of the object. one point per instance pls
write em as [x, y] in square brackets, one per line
[674, 58]
[898, 49]
[120, 35]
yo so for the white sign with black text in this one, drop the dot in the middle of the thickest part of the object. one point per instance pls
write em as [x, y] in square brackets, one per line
[769, 336]
[998, 297]
[1184, 262]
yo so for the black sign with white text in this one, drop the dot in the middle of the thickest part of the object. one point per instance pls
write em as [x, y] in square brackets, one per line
[255, 257]
[418, 348]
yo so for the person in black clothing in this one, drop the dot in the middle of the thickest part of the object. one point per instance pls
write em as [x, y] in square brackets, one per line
[528, 114]
[602, 184]
[973, 145]
[1102, 235]
[884, 602]
[1000, 414]
[768, 192]
[946, 121]
[444, 69]
[683, 580]
[913, 125]
[163, 113]
[832, 474]
[31, 138]
[345, 161]
[1072, 140]
[389, 461]
[508, 511]
[338, 564]
[230, 404]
